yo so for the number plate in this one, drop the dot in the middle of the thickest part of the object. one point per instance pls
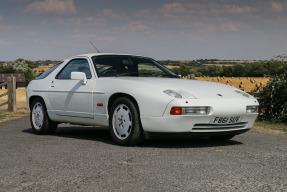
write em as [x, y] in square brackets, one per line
[225, 120]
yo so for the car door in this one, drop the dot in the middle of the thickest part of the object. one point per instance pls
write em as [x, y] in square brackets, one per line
[71, 97]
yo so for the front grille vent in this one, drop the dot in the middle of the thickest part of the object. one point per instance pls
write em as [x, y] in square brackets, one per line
[218, 127]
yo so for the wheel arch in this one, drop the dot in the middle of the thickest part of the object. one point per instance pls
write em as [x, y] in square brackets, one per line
[118, 95]
[32, 99]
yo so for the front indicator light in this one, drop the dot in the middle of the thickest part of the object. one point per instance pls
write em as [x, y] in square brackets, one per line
[252, 109]
[176, 111]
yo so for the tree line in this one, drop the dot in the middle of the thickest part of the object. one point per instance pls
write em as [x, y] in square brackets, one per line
[256, 69]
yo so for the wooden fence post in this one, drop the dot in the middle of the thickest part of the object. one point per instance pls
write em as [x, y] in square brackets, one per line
[11, 86]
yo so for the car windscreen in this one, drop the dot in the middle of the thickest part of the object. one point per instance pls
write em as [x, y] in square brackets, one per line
[45, 74]
[125, 65]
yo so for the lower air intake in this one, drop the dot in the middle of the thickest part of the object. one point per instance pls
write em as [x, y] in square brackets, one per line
[217, 127]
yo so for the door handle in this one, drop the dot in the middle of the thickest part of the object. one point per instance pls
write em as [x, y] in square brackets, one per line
[52, 84]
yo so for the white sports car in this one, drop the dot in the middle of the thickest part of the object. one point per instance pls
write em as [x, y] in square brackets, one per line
[135, 97]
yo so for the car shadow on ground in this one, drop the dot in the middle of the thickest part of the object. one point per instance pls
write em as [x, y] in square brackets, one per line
[81, 132]
[101, 134]
[188, 143]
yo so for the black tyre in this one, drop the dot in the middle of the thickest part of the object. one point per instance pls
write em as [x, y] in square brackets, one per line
[124, 122]
[222, 138]
[40, 121]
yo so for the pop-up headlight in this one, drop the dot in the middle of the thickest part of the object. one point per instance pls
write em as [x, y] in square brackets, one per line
[178, 94]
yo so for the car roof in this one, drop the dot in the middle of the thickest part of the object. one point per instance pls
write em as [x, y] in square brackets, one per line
[97, 54]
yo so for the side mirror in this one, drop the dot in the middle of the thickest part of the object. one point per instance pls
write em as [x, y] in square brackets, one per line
[79, 76]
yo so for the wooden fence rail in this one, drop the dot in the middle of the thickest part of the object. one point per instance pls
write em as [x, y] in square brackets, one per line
[11, 86]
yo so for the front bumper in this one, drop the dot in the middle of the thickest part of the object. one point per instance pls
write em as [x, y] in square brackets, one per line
[201, 123]
[193, 124]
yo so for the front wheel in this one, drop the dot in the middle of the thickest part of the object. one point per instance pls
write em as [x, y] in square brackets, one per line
[40, 121]
[124, 122]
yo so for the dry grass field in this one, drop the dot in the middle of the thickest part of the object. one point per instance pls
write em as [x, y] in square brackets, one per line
[44, 68]
[218, 64]
[20, 95]
[244, 83]
[170, 66]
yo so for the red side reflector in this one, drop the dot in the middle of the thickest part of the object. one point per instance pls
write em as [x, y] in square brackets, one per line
[100, 104]
[176, 111]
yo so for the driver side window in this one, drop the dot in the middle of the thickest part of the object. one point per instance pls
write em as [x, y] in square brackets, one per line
[76, 65]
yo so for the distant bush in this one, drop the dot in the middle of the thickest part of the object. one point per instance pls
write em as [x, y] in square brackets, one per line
[273, 99]
[19, 66]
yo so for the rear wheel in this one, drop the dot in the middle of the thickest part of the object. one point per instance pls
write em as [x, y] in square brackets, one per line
[124, 122]
[40, 121]
[222, 138]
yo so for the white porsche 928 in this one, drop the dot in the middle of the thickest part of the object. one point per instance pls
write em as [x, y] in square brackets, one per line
[135, 97]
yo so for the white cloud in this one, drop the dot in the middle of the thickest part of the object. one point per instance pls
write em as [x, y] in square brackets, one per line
[18, 0]
[173, 9]
[276, 6]
[91, 36]
[194, 16]
[229, 26]
[58, 7]
[1, 18]
[137, 26]
[193, 9]
[236, 9]
[109, 14]
[4, 42]
[6, 28]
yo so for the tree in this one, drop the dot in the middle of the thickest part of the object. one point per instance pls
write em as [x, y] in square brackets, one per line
[239, 70]
[214, 70]
[19, 66]
[272, 97]
[183, 70]
[195, 72]
[227, 71]
[204, 71]
[276, 65]
[257, 70]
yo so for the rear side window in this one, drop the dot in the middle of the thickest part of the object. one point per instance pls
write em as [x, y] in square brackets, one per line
[76, 65]
[45, 74]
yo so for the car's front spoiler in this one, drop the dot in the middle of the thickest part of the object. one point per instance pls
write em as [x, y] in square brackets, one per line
[186, 135]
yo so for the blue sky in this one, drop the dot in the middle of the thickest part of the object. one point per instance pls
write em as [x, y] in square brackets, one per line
[162, 29]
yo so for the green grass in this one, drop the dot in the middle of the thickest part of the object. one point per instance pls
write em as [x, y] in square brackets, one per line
[3, 116]
[271, 126]
[6, 116]
[20, 112]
